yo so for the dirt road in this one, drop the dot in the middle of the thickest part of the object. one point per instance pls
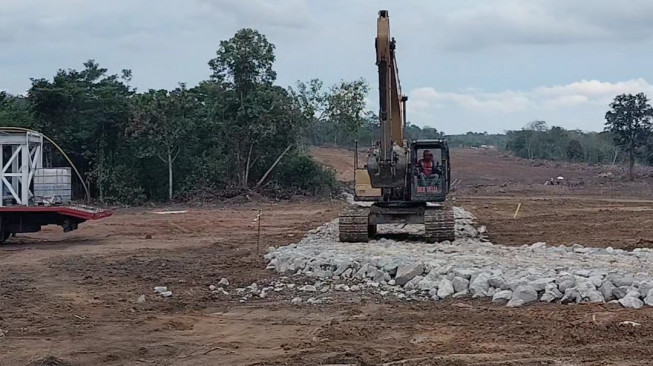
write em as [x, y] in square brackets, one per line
[72, 299]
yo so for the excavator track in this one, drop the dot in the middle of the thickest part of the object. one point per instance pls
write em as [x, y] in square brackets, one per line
[353, 225]
[439, 225]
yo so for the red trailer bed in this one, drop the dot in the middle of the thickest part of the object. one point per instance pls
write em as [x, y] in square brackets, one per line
[29, 219]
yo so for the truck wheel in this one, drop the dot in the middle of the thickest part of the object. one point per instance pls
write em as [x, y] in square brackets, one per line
[4, 237]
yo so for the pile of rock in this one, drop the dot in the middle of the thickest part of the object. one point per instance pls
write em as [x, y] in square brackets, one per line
[470, 266]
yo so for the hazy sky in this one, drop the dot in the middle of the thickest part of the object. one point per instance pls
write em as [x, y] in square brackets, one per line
[465, 65]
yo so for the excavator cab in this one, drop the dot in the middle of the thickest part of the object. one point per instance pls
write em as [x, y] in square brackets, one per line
[431, 171]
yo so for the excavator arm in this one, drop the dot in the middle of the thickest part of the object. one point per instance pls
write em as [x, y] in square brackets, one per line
[391, 100]
[387, 166]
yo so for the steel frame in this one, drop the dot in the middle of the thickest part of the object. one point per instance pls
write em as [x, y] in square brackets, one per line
[25, 155]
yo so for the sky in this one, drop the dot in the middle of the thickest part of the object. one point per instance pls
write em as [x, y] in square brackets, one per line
[464, 65]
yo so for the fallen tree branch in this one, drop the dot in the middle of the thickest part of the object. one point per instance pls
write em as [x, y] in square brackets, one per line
[273, 165]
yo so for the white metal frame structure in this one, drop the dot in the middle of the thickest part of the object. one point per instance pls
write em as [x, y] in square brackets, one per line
[21, 154]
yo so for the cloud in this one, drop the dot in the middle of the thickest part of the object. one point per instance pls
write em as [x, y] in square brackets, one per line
[594, 89]
[74, 20]
[163, 43]
[293, 14]
[565, 101]
[32, 22]
[577, 105]
[590, 92]
[558, 96]
[505, 102]
[545, 22]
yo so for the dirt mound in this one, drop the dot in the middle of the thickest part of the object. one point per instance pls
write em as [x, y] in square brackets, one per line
[339, 159]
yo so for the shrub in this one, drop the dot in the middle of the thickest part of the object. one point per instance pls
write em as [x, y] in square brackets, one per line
[300, 174]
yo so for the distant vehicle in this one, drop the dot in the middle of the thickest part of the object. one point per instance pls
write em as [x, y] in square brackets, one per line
[488, 147]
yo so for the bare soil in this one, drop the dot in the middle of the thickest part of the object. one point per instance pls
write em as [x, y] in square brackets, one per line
[71, 299]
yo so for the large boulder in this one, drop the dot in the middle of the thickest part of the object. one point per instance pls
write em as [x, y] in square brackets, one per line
[406, 273]
[571, 295]
[502, 295]
[460, 284]
[648, 300]
[523, 294]
[498, 282]
[565, 282]
[412, 284]
[480, 286]
[463, 272]
[606, 290]
[445, 288]
[631, 300]
[540, 283]
[589, 293]
[620, 280]
[551, 293]
[426, 285]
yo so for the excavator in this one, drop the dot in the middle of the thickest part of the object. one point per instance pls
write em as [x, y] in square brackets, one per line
[406, 181]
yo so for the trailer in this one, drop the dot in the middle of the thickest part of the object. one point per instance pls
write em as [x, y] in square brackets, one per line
[31, 195]
[30, 219]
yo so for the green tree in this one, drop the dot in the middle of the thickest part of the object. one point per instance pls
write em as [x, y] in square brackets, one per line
[334, 115]
[648, 151]
[574, 150]
[556, 143]
[86, 113]
[427, 133]
[629, 120]
[475, 139]
[537, 125]
[207, 158]
[15, 111]
[163, 121]
[345, 107]
[259, 120]
[534, 143]
[245, 61]
[312, 102]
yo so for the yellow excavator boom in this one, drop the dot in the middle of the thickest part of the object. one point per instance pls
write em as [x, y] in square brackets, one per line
[391, 99]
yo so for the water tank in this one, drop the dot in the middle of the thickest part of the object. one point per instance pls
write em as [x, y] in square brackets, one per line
[52, 185]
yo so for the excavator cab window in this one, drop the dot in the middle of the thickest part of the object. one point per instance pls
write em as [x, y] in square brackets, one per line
[430, 171]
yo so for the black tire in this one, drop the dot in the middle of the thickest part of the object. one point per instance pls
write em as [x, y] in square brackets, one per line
[4, 237]
[371, 230]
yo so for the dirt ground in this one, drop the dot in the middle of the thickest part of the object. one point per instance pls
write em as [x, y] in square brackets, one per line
[72, 299]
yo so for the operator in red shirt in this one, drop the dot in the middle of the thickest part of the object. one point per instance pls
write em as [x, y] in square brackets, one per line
[426, 169]
[426, 163]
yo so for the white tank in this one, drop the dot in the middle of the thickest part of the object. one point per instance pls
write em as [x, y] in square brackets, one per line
[52, 185]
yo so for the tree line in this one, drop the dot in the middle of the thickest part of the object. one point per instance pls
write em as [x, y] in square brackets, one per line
[627, 137]
[366, 133]
[235, 131]
[539, 141]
